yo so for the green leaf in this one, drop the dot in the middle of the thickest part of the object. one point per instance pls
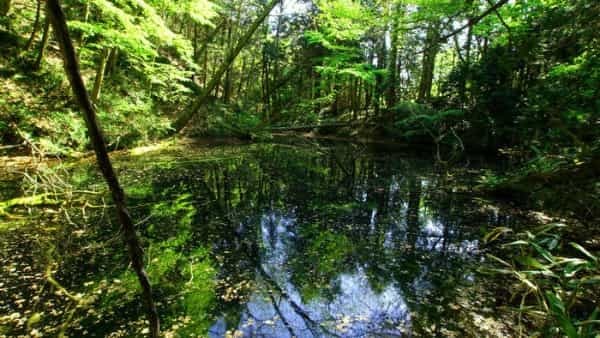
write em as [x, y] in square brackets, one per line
[584, 251]
[530, 261]
[495, 233]
[557, 308]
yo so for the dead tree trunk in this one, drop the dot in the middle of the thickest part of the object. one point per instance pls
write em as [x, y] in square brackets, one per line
[136, 252]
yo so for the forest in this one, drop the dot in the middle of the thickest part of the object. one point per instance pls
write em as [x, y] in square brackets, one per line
[299, 168]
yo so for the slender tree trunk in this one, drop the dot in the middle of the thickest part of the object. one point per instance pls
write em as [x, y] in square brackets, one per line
[432, 47]
[464, 79]
[136, 252]
[266, 80]
[205, 71]
[227, 85]
[111, 63]
[242, 76]
[266, 75]
[195, 42]
[379, 79]
[249, 77]
[36, 26]
[392, 64]
[43, 44]
[276, 73]
[357, 98]
[189, 113]
[100, 75]
[86, 11]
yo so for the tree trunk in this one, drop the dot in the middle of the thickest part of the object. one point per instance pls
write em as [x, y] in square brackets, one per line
[265, 87]
[241, 83]
[188, 114]
[99, 75]
[36, 26]
[276, 106]
[228, 85]
[392, 63]
[111, 63]
[205, 70]
[195, 43]
[465, 76]
[432, 47]
[136, 252]
[43, 45]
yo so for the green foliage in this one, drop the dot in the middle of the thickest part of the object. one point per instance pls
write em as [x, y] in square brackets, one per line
[199, 11]
[303, 113]
[139, 111]
[342, 24]
[176, 267]
[555, 281]
[223, 121]
[342, 20]
[174, 264]
[516, 91]
[421, 123]
[136, 28]
[66, 132]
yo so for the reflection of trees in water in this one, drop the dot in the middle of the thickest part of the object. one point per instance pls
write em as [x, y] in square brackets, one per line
[358, 242]
[407, 232]
[277, 308]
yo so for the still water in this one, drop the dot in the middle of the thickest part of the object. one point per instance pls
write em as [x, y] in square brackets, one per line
[263, 240]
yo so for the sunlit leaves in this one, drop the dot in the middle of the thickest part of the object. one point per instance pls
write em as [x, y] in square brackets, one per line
[199, 11]
[343, 20]
[136, 27]
[342, 25]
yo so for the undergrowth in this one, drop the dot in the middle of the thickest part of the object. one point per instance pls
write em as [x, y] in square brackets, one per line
[554, 282]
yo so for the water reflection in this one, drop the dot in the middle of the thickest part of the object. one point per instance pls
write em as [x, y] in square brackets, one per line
[351, 246]
[276, 308]
[278, 241]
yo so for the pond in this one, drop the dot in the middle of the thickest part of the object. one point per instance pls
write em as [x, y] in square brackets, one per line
[261, 240]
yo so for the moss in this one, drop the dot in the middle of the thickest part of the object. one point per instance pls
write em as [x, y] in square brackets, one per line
[29, 201]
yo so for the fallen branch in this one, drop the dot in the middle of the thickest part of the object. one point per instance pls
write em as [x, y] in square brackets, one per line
[9, 147]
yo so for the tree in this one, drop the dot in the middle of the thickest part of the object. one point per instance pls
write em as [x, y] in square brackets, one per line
[432, 46]
[136, 252]
[189, 113]
[43, 44]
